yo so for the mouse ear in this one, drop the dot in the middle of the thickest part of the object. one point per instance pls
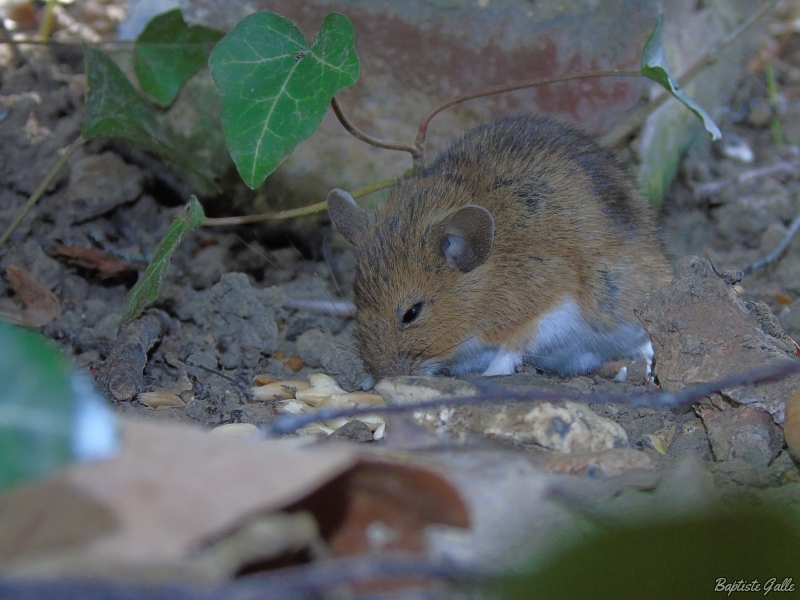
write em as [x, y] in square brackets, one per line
[349, 219]
[468, 237]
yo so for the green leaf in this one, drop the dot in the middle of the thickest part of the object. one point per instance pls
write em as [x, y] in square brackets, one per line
[168, 52]
[693, 556]
[654, 66]
[146, 289]
[115, 109]
[36, 407]
[275, 89]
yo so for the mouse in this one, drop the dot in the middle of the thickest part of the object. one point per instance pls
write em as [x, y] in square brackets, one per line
[524, 242]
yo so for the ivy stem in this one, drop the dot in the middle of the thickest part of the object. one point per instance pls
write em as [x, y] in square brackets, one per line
[49, 21]
[41, 189]
[509, 87]
[415, 152]
[294, 212]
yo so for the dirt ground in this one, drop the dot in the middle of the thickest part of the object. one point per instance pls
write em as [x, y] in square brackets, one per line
[224, 314]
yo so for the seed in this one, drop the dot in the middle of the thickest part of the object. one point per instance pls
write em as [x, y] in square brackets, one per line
[235, 429]
[280, 389]
[160, 400]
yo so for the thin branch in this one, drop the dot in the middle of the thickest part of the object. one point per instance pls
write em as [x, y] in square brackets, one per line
[686, 397]
[306, 581]
[41, 189]
[294, 212]
[775, 254]
[509, 87]
[624, 130]
[415, 152]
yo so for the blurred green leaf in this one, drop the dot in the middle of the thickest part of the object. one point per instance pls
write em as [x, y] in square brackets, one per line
[654, 66]
[115, 109]
[147, 288]
[168, 52]
[691, 557]
[37, 407]
[275, 88]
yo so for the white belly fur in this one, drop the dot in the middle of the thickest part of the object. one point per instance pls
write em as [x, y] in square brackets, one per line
[563, 342]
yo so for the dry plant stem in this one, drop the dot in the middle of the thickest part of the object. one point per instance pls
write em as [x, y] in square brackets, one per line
[714, 186]
[41, 189]
[510, 87]
[306, 581]
[415, 152]
[295, 212]
[775, 254]
[624, 130]
[686, 397]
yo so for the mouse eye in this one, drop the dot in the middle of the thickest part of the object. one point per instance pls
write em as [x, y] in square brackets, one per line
[412, 313]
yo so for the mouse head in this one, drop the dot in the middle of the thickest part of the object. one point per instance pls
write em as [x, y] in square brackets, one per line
[418, 280]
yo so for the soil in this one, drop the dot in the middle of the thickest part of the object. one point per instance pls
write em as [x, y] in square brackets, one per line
[223, 316]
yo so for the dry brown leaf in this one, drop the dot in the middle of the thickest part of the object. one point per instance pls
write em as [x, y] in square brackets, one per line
[169, 504]
[41, 305]
[403, 499]
[171, 490]
[106, 265]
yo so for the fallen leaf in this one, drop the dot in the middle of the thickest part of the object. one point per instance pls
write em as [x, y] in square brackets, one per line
[41, 305]
[782, 298]
[105, 264]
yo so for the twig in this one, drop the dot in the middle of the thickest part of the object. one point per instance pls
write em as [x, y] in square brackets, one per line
[773, 256]
[41, 189]
[624, 130]
[713, 186]
[288, 424]
[415, 152]
[508, 87]
[304, 582]
[339, 308]
[294, 212]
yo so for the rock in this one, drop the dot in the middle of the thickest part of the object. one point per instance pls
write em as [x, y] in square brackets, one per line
[606, 463]
[207, 266]
[353, 431]
[790, 319]
[240, 319]
[100, 183]
[566, 427]
[703, 331]
[338, 355]
[743, 432]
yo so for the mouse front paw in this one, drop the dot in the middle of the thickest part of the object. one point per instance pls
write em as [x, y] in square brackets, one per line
[505, 362]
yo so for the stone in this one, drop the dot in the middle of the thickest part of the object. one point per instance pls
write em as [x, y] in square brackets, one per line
[703, 331]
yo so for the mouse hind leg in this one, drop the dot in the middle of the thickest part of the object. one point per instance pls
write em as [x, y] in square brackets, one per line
[566, 343]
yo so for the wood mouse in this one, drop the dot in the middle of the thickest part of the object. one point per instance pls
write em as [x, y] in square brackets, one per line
[525, 241]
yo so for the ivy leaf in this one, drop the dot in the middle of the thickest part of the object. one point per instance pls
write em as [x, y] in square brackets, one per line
[168, 52]
[275, 88]
[36, 408]
[115, 109]
[654, 66]
[146, 289]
